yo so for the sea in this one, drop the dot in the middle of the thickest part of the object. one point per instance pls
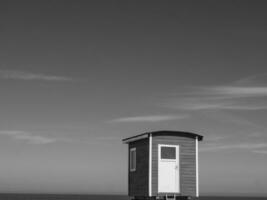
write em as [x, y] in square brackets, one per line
[100, 197]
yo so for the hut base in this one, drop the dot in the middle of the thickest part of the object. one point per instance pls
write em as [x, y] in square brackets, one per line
[165, 198]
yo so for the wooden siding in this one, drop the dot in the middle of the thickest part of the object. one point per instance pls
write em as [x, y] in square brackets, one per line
[138, 180]
[187, 163]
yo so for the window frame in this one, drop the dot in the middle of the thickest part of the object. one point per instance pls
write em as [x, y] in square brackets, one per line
[177, 154]
[132, 160]
[168, 146]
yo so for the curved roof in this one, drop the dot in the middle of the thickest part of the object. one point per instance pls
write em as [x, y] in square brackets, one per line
[163, 132]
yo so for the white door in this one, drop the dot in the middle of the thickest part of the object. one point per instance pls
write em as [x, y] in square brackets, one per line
[168, 169]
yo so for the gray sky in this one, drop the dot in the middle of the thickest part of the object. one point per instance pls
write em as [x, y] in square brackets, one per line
[77, 77]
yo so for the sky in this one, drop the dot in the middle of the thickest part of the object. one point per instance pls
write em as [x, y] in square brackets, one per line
[76, 77]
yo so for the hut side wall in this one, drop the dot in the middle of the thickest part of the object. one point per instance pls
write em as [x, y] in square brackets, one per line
[138, 180]
[187, 163]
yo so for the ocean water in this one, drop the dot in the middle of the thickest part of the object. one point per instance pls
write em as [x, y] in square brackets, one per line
[99, 197]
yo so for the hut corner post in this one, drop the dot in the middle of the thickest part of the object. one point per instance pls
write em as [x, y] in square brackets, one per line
[150, 167]
[197, 175]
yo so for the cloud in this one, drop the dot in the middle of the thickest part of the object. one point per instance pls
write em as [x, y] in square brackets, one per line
[214, 138]
[255, 134]
[108, 138]
[248, 146]
[235, 91]
[38, 139]
[28, 76]
[260, 151]
[197, 104]
[150, 118]
[256, 79]
[249, 93]
[220, 98]
[28, 137]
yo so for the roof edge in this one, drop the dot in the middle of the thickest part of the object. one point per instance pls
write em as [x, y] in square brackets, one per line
[145, 135]
[135, 138]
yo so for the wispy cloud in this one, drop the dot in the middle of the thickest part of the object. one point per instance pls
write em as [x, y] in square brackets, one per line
[256, 80]
[260, 151]
[196, 103]
[28, 76]
[214, 138]
[107, 138]
[220, 97]
[248, 146]
[28, 137]
[255, 135]
[150, 118]
[234, 91]
[31, 138]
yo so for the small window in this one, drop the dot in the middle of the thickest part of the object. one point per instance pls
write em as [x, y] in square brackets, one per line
[132, 159]
[168, 153]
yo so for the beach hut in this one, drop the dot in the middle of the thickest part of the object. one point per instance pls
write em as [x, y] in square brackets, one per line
[163, 165]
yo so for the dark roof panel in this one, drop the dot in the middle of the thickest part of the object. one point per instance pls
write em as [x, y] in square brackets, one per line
[163, 132]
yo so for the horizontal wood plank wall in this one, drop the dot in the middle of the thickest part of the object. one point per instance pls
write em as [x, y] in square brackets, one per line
[187, 163]
[138, 180]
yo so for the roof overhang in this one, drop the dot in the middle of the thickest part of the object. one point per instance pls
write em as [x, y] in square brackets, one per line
[135, 138]
[176, 133]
